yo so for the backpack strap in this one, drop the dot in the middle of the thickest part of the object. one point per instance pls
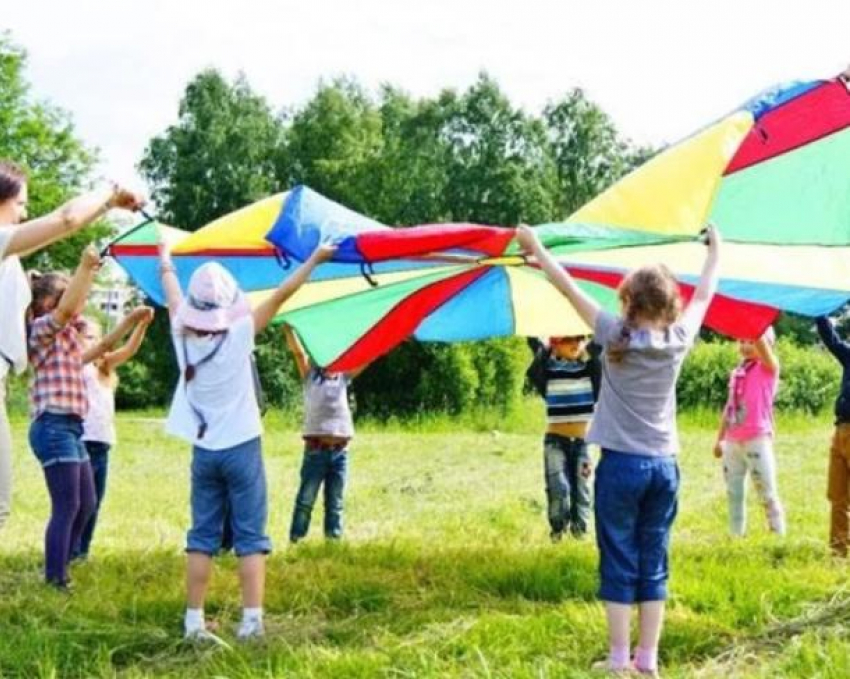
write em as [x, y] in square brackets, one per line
[189, 372]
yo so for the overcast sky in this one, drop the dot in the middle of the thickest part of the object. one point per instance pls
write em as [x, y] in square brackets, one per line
[660, 68]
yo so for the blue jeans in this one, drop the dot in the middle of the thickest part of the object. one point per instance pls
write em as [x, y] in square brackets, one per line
[99, 456]
[320, 466]
[233, 478]
[636, 503]
[567, 467]
[56, 439]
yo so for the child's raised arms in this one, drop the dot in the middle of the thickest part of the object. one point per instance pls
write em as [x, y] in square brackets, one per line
[694, 313]
[139, 319]
[302, 361]
[587, 307]
[73, 300]
[170, 282]
[267, 310]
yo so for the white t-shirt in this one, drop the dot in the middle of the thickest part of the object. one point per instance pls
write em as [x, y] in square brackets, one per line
[222, 390]
[99, 424]
[15, 297]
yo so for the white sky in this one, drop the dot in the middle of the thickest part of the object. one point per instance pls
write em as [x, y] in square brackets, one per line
[660, 68]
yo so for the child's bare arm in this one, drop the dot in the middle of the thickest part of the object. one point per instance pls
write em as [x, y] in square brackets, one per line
[73, 300]
[767, 356]
[587, 307]
[302, 362]
[170, 282]
[266, 311]
[131, 347]
[109, 340]
[707, 286]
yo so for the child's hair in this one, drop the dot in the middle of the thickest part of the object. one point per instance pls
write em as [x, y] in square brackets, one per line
[45, 286]
[12, 179]
[649, 293]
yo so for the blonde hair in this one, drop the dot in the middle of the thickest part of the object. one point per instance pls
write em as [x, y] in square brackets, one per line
[650, 293]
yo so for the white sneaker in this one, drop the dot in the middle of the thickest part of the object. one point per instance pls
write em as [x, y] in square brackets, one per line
[203, 636]
[250, 630]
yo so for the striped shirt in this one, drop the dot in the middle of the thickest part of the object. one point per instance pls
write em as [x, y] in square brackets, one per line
[569, 391]
[56, 355]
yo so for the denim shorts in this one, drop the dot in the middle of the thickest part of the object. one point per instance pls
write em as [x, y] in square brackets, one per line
[56, 438]
[233, 478]
[636, 503]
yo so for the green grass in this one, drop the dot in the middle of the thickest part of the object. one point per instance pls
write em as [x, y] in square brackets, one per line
[446, 569]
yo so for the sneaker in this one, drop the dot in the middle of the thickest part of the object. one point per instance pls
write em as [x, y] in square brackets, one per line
[250, 630]
[203, 636]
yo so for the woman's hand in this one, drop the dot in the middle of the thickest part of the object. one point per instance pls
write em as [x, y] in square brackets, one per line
[125, 199]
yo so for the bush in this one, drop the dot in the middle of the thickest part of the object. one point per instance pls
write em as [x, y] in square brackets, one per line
[808, 383]
[420, 378]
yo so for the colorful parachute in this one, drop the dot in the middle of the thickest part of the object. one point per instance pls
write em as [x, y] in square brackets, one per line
[774, 176]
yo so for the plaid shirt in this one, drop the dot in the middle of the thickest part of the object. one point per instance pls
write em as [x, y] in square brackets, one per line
[56, 354]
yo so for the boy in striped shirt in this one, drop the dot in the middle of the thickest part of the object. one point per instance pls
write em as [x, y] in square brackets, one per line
[566, 373]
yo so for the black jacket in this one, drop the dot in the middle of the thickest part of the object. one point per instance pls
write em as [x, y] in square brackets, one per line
[841, 351]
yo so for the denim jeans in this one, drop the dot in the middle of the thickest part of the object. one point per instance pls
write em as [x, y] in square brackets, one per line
[99, 456]
[56, 439]
[320, 466]
[567, 468]
[233, 478]
[636, 503]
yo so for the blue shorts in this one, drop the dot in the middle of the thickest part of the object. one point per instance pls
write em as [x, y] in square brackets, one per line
[235, 478]
[636, 503]
[56, 438]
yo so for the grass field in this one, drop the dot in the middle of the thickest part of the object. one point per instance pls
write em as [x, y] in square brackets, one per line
[446, 569]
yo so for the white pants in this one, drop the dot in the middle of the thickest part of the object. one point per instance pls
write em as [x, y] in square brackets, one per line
[753, 456]
[5, 456]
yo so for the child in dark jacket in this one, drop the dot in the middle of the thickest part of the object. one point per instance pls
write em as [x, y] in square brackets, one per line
[566, 375]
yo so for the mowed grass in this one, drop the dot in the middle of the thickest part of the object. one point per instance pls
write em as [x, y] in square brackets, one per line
[446, 569]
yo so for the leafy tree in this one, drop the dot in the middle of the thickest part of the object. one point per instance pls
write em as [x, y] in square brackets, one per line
[333, 143]
[499, 170]
[588, 153]
[218, 157]
[41, 138]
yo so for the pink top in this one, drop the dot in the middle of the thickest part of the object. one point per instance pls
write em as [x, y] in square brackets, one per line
[99, 424]
[749, 409]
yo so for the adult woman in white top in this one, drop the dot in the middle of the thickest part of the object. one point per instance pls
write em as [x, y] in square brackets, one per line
[18, 238]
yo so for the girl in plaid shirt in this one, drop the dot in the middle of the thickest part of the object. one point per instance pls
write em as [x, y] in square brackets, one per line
[59, 405]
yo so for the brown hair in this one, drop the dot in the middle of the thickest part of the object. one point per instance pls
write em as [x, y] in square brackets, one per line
[649, 293]
[44, 287]
[12, 179]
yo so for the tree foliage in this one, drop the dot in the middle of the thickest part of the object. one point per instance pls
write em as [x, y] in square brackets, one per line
[469, 156]
[41, 138]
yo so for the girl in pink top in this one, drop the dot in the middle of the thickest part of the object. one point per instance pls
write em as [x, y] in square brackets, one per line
[745, 439]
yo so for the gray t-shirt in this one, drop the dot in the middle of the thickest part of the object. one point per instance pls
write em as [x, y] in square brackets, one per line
[326, 409]
[636, 412]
